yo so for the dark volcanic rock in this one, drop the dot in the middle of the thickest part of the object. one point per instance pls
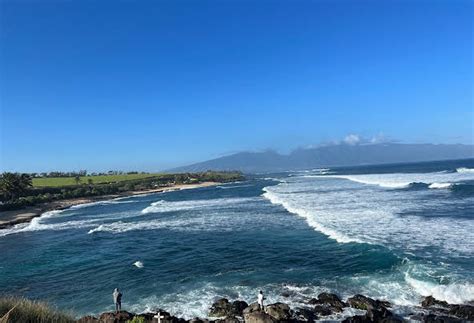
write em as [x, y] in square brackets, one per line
[258, 317]
[111, 317]
[430, 301]
[433, 318]
[441, 309]
[362, 302]
[329, 302]
[238, 307]
[228, 320]
[305, 315]
[251, 308]
[88, 319]
[223, 308]
[322, 310]
[462, 311]
[279, 311]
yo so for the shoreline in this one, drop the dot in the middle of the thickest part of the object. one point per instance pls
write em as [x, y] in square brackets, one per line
[24, 215]
[327, 307]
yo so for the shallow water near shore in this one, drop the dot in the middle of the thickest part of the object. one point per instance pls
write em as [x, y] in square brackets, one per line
[396, 232]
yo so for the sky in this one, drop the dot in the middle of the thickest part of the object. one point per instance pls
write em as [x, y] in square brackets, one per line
[149, 85]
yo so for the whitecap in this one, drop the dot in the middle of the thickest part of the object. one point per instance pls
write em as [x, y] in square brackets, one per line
[138, 264]
[440, 185]
[465, 170]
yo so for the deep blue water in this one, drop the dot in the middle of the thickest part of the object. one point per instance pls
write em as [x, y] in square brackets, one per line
[396, 232]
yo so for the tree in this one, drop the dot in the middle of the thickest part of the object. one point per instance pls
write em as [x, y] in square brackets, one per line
[77, 179]
[13, 185]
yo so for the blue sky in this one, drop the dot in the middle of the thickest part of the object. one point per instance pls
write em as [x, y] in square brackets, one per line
[143, 85]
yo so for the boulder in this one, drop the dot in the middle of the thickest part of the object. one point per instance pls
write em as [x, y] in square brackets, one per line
[329, 301]
[430, 301]
[258, 317]
[322, 310]
[223, 308]
[254, 307]
[465, 312]
[232, 319]
[220, 308]
[112, 317]
[433, 318]
[362, 302]
[279, 311]
[305, 315]
[238, 307]
[442, 308]
[198, 320]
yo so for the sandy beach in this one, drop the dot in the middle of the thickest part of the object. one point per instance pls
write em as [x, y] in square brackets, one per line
[13, 217]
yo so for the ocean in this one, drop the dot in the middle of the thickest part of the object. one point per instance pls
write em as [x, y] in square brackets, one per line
[393, 232]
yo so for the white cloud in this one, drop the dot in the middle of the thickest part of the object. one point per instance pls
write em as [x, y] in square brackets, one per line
[352, 139]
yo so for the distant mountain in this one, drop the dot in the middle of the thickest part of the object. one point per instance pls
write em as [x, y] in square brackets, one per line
[331, 156]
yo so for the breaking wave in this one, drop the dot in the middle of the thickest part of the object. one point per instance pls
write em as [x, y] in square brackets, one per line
[171, 206]
[465, 170]
[371, 216]
[405, 180]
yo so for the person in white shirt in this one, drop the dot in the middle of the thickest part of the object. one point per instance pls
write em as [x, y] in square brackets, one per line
[260, 300]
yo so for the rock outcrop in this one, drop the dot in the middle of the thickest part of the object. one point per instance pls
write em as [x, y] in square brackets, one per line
[224, 308]
[224, 311]
[439, 309]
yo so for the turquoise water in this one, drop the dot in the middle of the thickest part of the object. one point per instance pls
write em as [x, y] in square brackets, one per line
[396, 232]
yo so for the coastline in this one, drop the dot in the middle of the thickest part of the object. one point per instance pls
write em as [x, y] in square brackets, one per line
[24, 215]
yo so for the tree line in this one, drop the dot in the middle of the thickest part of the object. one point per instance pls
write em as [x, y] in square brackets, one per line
[17, 191]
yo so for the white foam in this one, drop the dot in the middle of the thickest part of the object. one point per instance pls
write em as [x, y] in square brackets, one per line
[440, 185]
[403, 180]
[35, 224]
[138, 264]
[171, 206]
[347, 212]
[456, 293]
[465, 170]
[307, 215]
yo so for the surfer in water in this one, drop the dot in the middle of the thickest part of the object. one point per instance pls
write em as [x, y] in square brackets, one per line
[117, 300]
[260, 300]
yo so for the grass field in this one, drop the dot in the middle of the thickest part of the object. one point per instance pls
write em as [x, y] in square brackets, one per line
[68, 181]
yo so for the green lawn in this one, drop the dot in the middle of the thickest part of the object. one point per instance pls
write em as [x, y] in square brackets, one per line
[67, 181]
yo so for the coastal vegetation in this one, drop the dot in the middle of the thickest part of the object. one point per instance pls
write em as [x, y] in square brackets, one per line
[20, 190]
[19, 309]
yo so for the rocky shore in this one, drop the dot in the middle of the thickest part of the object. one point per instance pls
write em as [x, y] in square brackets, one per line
[327, 307]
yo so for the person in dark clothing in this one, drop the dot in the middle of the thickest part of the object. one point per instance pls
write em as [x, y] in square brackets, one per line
[117, 300]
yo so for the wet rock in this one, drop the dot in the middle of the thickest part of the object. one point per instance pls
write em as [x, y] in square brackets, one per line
[305, 315]
[258, 317]
[322, 310]
[238, 307]
[430, 301]
[433, 318]
[112, 317]
[279, 311]
[223, 308]
[441, 309]
[362, 302]
[465, 312]
[329, 301]
[285, 294]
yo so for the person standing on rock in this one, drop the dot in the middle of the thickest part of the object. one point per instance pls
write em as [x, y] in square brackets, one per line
[260, 300]
[117, 300]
